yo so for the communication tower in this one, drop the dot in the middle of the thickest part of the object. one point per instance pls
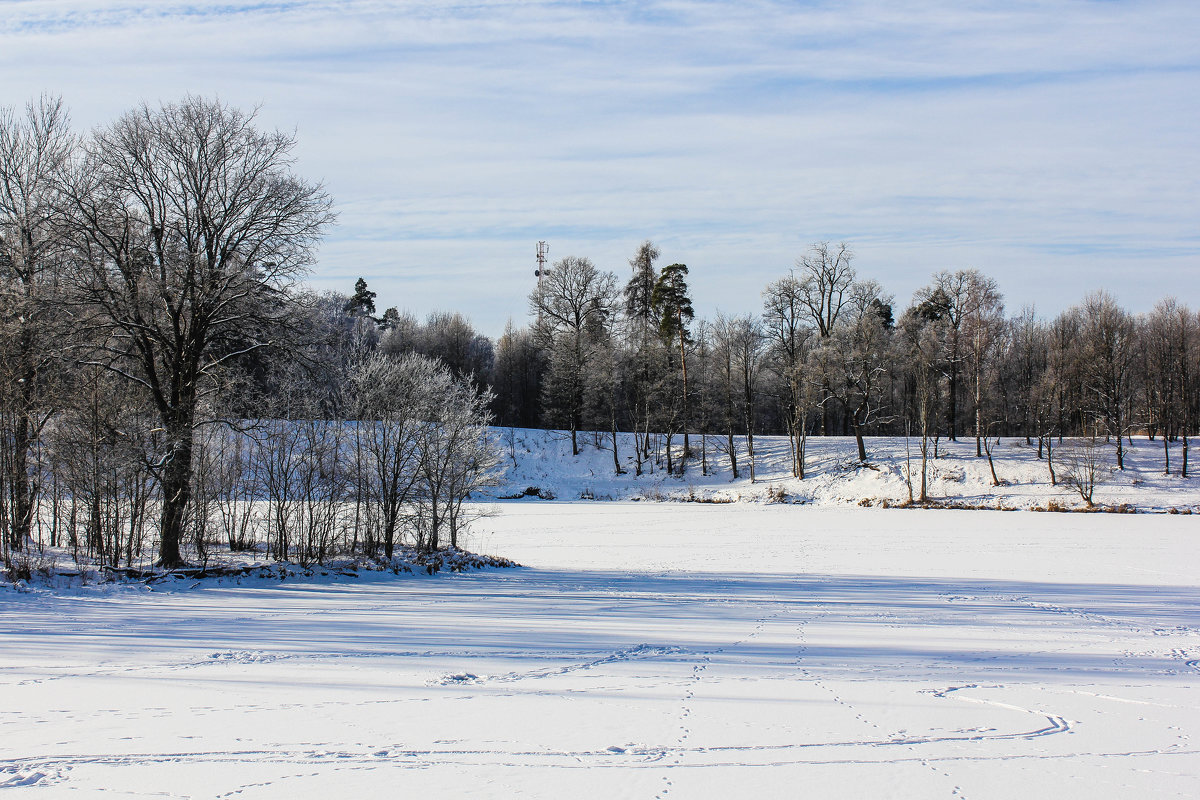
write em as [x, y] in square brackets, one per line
[542, 250]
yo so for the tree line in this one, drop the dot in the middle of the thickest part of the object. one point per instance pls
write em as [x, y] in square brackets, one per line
[829, 354]
[167, 384]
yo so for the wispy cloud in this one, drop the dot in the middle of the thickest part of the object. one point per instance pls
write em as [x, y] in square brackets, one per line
[1050, 144]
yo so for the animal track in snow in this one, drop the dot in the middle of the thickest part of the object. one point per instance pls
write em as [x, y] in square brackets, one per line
[641, 651]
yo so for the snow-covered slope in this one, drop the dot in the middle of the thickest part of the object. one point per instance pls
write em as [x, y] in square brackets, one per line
[541, 461]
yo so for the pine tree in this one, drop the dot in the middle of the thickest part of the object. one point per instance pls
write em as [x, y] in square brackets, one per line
[670, 299]
[362, 304]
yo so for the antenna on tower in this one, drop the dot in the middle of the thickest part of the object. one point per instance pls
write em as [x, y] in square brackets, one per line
[542, 250]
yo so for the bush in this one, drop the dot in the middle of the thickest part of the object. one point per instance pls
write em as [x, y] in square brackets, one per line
[1084, 466]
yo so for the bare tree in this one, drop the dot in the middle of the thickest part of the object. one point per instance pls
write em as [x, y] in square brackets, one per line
[741, 345]
[853, 360]
[98, 452]
[826, 276]
[784, 322]
[517, 374]
[392, 399]
[1058, 395]
[191, 227]
[1169, 339]
[919, 346]
[952, 300]
[1084, 466]
[456, 456]
[35, 149]
[1025, 365]
[573, 303]
[1108, 338]
[984, 328]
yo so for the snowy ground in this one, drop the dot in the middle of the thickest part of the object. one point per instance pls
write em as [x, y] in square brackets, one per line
[647, 651]
[543, 459]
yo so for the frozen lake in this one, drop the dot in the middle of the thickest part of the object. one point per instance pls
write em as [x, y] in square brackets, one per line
[645, 650]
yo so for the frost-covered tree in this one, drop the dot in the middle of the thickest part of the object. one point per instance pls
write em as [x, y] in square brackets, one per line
[457, 455]
[392, 400]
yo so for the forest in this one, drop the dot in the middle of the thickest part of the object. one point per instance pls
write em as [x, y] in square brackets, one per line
[168, 383]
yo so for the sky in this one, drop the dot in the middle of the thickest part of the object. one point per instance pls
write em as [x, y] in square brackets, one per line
[1051, 145]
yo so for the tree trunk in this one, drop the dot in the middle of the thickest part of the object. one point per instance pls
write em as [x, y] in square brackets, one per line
[732, 453]
[924, 459]
[1120, 448]
[978, 415]
[991, 464]
[21, 491]
[616, 457]
[952, 405]
[1050, 460]
[687, 416]
[801, 448]
[176, 490]
[858, 435]
[21, 515]
[908, 460]
[750, 450]
[793, 445]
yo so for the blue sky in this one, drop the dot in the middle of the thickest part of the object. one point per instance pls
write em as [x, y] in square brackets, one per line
[1051, 145]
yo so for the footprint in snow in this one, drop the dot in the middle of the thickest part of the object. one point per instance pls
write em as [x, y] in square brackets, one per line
[458, 678]
[31, 779]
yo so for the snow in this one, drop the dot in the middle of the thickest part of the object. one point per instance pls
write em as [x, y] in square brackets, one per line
[646, 650]
[543, 459]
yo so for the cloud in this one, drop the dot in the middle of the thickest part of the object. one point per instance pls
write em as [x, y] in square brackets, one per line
[1049, 144]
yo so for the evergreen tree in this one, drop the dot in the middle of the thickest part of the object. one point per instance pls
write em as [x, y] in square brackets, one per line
[362, 304]
[639, 311]
[670, 299]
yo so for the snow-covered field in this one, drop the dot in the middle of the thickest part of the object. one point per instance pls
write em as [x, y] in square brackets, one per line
[646, 650]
